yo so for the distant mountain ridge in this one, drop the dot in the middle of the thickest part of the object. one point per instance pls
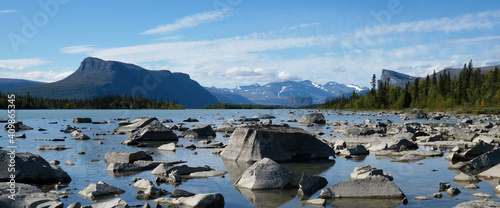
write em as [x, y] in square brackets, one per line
[7, 83]
[96, 77]
[277, 93]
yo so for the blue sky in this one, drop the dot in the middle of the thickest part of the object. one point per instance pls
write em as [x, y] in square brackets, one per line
[228, 43]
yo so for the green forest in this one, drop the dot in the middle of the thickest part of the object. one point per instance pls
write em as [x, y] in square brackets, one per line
[242, 106]
[102, 102]
[471, 92]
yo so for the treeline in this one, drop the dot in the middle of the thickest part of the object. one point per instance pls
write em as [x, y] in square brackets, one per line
[242, 106]
[102, 102]
[470, 92]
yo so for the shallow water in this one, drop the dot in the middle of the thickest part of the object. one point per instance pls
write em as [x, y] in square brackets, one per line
[414, 179]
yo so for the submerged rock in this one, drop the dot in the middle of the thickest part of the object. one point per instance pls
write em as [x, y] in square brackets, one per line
[278, 143]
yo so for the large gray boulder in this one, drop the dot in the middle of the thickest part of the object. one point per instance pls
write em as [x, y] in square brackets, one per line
[30, 168]
[264, 174]
[26, 196]
[311, 184]
[99, 190]
[380, 188]
[414, 114]
[279, 143]
[212, 200]
[480, 148]
[356, 150]
[200, 130]
[134, 125]
[154, 131]
[312, 119]
[17, 126]
[126, 157]
[487, 159]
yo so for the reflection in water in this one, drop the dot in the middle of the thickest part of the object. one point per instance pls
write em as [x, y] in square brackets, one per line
[274, 197]
[378, 203]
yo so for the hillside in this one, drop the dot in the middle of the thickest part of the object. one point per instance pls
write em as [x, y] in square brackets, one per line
[7, 83]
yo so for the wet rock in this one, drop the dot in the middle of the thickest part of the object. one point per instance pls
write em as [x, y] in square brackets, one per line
[20, 136]
[379, 187]
[199, 200]
[444, 186]
[201, 130]
[453, 191]
[17, 126]
[366, 171]
[356, 150]
[478, 204]
[264, 174]
[79, 136]
[99, 190]
[126, 157]
[167, 147]
[54, 162]
[174, 176]
[493, 172]
[205, 174]
[181, 193]
[99, 122]
[31, 168]
[68, 163]
[485, 139]
[52, 147]
[278, 143]
[191, 120]
[421, 198]
[149, 188]
[115, 203]
[437, 195]
[462, 177]
[487, 159]
[479, 149]
[435, 138]
[154, 131]
[181, 169]
[482, 195]
[454, 157]
[264, 116]
[312, 119]
[311, 184]
[410, 157]
[471, 187]
[69, 129]
[27, 196]
[497, 189]
[414, 114]
[75, 205]
[82, 120]
[462, 134]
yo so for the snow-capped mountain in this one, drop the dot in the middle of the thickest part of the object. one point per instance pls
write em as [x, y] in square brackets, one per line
[276, 93]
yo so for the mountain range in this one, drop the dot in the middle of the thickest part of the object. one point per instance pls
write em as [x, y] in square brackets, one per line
[96, 77]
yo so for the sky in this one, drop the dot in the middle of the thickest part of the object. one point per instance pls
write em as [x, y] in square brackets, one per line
[230, 43]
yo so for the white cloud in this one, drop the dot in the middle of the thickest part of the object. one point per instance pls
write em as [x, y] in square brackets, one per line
[20, 64]
[46, 76]
[78, 49]
[168, 38]
[304, 25]
[6, 11]
[190, 21]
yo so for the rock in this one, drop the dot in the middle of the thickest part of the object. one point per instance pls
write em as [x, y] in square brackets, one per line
[462, 177]
[167, 147]
[181, 169]
[126, 157]
[366, 171]
[20, 136]
[69, 129]
[82, 120]
[292, 120]
[198, 200]
[311, 184]
[479, 149]
[17, 126]
[134, 125]
[181, 193]
[487, 159]
[79, 136]
[410, 157]
[99, 190]
[75, 205]
[497, 189]
[491, 172]
[364, 188]
[453, 191]
[356, 150]
[454, 157]
[481, 195]
[264, 174]
[205, 174]
[421, 198]
[312, 119]
[313, 202]
[478, 204]
[190, 120]
[414, 114]
[68, 163]
[215, 144]
[444, 186]
[279, 143]
[27, 196]
[436, 138]
[115, 203]
[154, 131]
[54, 162]
[174, 176]
[437, 195]
[264, 116]
[462, 134]
[485, 139]
[52, 147]
[201, 130]
[471, 187]
[149, 188]
[30, 168]
[142, 184]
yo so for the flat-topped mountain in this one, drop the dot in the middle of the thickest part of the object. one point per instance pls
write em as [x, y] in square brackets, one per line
[96, 77]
